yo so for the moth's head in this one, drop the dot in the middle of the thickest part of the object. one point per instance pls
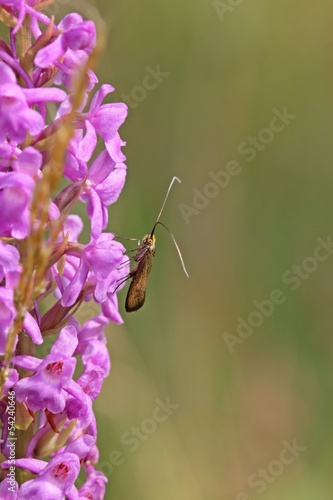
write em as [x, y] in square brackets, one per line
[149, 240]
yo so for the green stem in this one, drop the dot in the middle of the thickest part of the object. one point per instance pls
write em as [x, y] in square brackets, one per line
[24, 346]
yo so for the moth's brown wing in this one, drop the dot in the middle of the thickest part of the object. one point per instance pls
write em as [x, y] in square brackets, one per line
[137, 291]
[135, 297]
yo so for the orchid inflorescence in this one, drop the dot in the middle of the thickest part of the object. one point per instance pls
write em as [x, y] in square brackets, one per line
[49, 129]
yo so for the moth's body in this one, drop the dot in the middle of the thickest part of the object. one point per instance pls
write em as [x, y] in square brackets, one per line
[140, 274]
[144, 257]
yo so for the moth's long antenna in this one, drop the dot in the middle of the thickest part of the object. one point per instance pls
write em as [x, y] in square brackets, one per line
[177, 247]
[165, 199]
[172, 236]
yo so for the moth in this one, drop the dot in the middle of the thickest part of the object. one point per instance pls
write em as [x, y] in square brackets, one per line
[144, 258]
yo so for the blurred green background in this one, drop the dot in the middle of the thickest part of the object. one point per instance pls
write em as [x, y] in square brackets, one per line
[238, 403]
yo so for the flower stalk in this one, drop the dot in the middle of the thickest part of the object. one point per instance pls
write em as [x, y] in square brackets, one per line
[53, 425]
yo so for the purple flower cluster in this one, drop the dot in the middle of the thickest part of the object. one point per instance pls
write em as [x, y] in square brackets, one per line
[46, 273]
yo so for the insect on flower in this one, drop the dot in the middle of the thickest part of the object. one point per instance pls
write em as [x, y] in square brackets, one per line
[144, 257]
